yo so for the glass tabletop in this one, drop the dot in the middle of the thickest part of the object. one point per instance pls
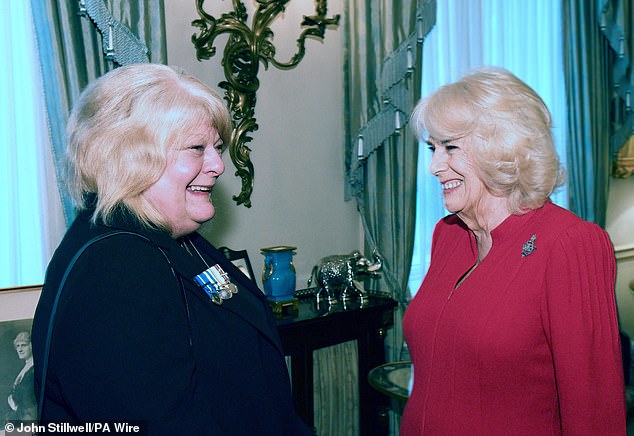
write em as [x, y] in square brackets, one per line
[392, 379]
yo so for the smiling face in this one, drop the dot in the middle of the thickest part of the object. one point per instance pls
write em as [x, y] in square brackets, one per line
[463, 191]
[182, 195]
[23, 349]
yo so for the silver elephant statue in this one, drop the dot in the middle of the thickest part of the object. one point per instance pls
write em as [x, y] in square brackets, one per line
[336, 275]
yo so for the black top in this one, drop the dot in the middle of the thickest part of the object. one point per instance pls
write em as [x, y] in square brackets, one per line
[134, 338]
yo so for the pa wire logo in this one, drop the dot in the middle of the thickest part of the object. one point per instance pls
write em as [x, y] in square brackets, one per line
[31, 427]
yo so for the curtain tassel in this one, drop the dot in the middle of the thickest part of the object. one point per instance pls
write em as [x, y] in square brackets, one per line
[110, 47]
[360, 147]
[420, 33]
[82, 8]
[410, 59]
[621, 46]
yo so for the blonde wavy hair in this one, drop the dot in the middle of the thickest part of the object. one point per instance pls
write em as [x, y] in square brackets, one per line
[121, 130]
[507, 129]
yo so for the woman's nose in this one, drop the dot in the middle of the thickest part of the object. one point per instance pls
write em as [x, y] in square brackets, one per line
[213, 161]
[438, 161]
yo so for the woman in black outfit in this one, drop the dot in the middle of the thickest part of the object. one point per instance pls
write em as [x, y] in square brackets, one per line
[141, 319]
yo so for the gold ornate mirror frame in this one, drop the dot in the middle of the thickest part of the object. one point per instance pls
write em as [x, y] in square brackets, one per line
[245, 49]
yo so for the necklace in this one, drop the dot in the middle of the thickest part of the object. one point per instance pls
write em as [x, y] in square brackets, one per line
[214, 280]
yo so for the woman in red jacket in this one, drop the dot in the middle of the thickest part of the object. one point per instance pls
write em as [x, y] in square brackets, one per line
[514, 329]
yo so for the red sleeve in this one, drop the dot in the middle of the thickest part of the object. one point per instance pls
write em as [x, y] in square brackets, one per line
[581, 322]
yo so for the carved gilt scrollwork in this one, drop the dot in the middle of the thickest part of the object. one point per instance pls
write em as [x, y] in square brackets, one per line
[245, 49]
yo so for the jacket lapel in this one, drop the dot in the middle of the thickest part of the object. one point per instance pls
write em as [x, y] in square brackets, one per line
[252, 308]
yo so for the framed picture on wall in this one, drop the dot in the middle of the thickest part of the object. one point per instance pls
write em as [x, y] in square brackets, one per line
[240, 259]
[17, 307]
[244, 267]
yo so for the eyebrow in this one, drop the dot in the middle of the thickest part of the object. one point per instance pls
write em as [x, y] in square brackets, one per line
[433, 141]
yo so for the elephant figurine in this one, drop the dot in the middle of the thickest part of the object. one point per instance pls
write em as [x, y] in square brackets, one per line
[337, 274]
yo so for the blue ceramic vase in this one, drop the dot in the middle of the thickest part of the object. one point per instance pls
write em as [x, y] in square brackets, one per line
[279, 276]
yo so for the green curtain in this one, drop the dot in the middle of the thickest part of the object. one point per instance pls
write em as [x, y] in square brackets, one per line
[616, 21]
[382, 57]
[590, 66]
[72, 54]
[383, 41]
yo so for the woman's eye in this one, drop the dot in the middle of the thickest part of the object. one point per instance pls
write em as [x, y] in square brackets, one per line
[431, 147]
[451, 144]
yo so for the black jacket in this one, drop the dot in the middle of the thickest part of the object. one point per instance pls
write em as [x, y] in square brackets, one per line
[135, 339]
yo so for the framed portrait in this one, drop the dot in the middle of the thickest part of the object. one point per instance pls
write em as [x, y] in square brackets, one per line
[244, 267]
[17, 307]
[240, 259]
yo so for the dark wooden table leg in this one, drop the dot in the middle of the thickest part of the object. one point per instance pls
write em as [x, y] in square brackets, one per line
[373, 406]
[302, 380]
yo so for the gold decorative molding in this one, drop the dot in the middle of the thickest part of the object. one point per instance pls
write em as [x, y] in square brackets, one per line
[624, 163]
[245, 49]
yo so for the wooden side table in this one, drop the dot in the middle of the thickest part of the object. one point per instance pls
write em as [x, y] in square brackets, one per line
[314, 327]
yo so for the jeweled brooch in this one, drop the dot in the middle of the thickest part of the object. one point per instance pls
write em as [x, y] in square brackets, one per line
[529, 246]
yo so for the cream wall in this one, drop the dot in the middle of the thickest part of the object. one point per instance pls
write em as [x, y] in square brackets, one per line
[298, 196]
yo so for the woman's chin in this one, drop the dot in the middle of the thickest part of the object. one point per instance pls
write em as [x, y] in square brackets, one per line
[206, 215]
[451, 209]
